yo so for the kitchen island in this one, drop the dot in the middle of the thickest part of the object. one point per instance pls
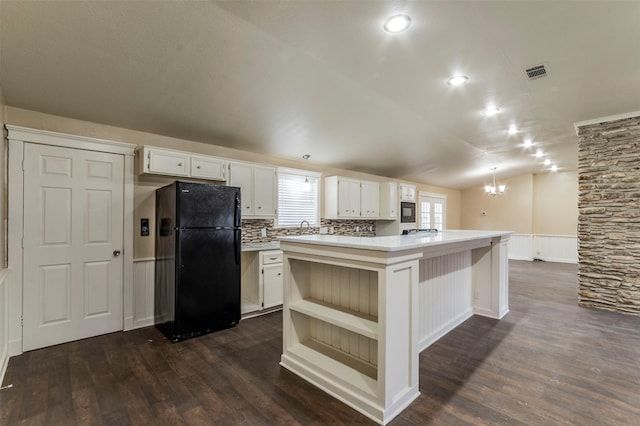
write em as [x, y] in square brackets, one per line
[359, 310]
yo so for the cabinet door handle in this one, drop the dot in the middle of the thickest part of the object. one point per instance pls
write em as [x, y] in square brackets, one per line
[279, 274]
[179, 164]
[197, 167]
[272, 258]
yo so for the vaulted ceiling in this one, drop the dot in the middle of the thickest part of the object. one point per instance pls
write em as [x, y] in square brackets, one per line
[289, 78]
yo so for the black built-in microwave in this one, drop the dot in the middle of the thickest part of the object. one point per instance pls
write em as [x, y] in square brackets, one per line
[407, 212]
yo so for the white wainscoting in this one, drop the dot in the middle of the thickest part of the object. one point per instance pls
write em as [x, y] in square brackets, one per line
[550, 248]
[4, 322]
[556, 248]
[143, 292]
[521, 247]
[446, 299]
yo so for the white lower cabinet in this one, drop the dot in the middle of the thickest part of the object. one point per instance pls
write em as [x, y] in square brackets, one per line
[261, 281]
[271, 278]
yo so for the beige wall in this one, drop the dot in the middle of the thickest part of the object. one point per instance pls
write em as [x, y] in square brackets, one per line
[555, 203]
[533, 204]
[510, 211]
[144, 196]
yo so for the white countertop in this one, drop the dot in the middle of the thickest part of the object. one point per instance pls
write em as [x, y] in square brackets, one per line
[395, 242]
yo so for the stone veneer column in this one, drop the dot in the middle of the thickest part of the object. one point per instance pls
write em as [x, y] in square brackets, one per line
[609, 215]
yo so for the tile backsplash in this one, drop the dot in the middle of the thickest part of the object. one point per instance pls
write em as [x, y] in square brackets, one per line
[252, 229]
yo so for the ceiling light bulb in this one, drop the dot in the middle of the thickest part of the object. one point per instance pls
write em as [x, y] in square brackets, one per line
[457, 80]
[397, 23]
[547, 162]
[528, 143]
[513, 130]
[554, 168]
[491, 111]
[539, 153]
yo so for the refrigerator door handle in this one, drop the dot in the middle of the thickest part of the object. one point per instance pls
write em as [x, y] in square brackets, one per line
[236, 212]
[237, 244]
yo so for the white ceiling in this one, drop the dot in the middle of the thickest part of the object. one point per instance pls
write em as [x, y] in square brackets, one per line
[323, 78]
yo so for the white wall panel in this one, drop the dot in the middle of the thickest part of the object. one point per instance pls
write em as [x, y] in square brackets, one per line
[520, 247]
[445, 295]
[143, 292]
[551, 248]
[556, 248]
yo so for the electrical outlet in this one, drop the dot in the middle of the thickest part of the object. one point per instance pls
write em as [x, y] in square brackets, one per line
[331, 230]
[264, 232]
[357, 229]
[371, 229]
[324, 230]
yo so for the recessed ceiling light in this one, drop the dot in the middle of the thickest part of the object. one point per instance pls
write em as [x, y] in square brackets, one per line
[491, 111]
[528, 143]
[547, 162]
[513, 130]
[457, 80]
[554, 168]
[539, 153]
[397, 23]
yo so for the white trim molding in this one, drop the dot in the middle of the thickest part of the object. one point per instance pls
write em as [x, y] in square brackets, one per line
[17, 137]
[550, 248]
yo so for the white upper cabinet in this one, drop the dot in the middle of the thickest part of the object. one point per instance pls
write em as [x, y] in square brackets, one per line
[407, 192]
[346, 198]
[258, 187]
[208, 168]
[389, 203]
[163, 162]
[169, 162]
[370, 199]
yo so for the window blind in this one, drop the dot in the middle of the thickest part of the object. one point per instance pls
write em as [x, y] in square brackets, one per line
[298, 200]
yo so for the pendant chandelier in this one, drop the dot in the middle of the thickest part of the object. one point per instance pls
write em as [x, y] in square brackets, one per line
[494, 189]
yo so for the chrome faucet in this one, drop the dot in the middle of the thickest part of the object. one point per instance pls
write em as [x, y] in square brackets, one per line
[302, 223]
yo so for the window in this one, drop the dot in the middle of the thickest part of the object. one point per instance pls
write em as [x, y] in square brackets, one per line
[298, 197]
[432, 211]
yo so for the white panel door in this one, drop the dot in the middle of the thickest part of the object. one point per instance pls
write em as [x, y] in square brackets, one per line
[241, 175]
[73, 235]
[264, 191]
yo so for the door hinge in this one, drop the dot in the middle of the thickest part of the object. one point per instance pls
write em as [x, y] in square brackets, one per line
[21, 321]
[21, 242]
[22, 165]
[262, 272]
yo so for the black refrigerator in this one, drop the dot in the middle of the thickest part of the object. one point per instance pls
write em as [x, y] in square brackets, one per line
[197, 270]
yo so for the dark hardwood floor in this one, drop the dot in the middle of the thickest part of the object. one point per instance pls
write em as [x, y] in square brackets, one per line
[547, 362]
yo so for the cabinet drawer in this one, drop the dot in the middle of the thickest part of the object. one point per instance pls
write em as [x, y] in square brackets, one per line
[271, 257]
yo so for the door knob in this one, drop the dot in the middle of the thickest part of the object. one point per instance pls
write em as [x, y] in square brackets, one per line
[116, 253]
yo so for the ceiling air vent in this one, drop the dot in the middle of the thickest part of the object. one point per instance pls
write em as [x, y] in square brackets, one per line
[536, 72]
